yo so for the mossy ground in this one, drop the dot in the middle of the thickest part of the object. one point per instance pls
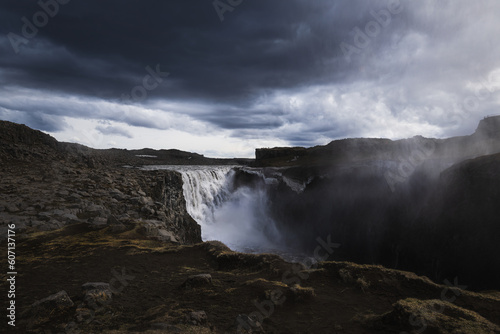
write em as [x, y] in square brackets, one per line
[242, 284]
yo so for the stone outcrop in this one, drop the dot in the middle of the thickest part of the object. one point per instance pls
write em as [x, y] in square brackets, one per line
[20, 143]
[97, 293]
[118, 200]
[49, 308]
[489, 127]
[46, 186]
[166, 191]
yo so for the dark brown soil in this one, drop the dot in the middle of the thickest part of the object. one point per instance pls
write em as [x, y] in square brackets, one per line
[345, 295]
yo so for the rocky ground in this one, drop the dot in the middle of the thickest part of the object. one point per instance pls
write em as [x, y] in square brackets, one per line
[82, 280]
[105, 249]
[56, 195]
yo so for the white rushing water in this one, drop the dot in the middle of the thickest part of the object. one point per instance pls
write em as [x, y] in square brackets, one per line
[236, 217]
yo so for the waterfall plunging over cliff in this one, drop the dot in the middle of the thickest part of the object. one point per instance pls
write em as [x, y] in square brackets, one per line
[205, 189]
[237, 216]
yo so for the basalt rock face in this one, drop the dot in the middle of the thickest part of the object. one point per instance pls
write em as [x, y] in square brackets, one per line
[425, 205]
[57, 195]
[489, 127]
[166, 190]
[354, 206]
[442, 227]
[459, 227]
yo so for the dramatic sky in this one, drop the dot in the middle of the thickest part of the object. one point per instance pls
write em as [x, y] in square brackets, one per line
[233, 75]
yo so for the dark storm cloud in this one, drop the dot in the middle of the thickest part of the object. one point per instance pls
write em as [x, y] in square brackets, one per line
[299, 70]
[101, 48]
[36, 119]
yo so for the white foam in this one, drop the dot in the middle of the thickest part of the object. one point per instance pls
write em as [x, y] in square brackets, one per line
[237, 218]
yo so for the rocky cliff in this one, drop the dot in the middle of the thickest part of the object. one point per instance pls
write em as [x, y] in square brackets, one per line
[47, 185]
[458, 225]
[419, 204]
[489, 127]
[19, 142]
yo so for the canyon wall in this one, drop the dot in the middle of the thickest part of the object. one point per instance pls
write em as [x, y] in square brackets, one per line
[424, 205]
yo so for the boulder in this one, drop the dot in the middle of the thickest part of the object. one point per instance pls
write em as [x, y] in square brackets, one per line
[70, 218]
[45, 216]
[12, 208]
[51, 307]
[94, 210]
[197, 318]
[147, 210]
[96, 294]
[99, 222]
[117, 194]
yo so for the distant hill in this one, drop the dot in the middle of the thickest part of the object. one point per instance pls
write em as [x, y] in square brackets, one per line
[485, 140]
[21, 143]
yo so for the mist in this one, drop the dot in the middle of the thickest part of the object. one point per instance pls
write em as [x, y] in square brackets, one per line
[394, 203]
[228, 211]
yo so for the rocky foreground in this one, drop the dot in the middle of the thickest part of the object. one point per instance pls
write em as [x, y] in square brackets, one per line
[105, 249]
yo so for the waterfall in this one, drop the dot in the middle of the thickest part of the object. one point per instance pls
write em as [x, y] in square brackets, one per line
[205, 189]
[236, 217]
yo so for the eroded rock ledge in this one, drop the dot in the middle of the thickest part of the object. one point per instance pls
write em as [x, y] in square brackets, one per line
[120, 200]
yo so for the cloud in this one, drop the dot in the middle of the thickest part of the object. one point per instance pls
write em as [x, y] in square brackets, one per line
[271, 71]
[34, 119]
[114, 130]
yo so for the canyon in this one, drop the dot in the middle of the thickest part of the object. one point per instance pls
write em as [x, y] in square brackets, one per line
[394, 210]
